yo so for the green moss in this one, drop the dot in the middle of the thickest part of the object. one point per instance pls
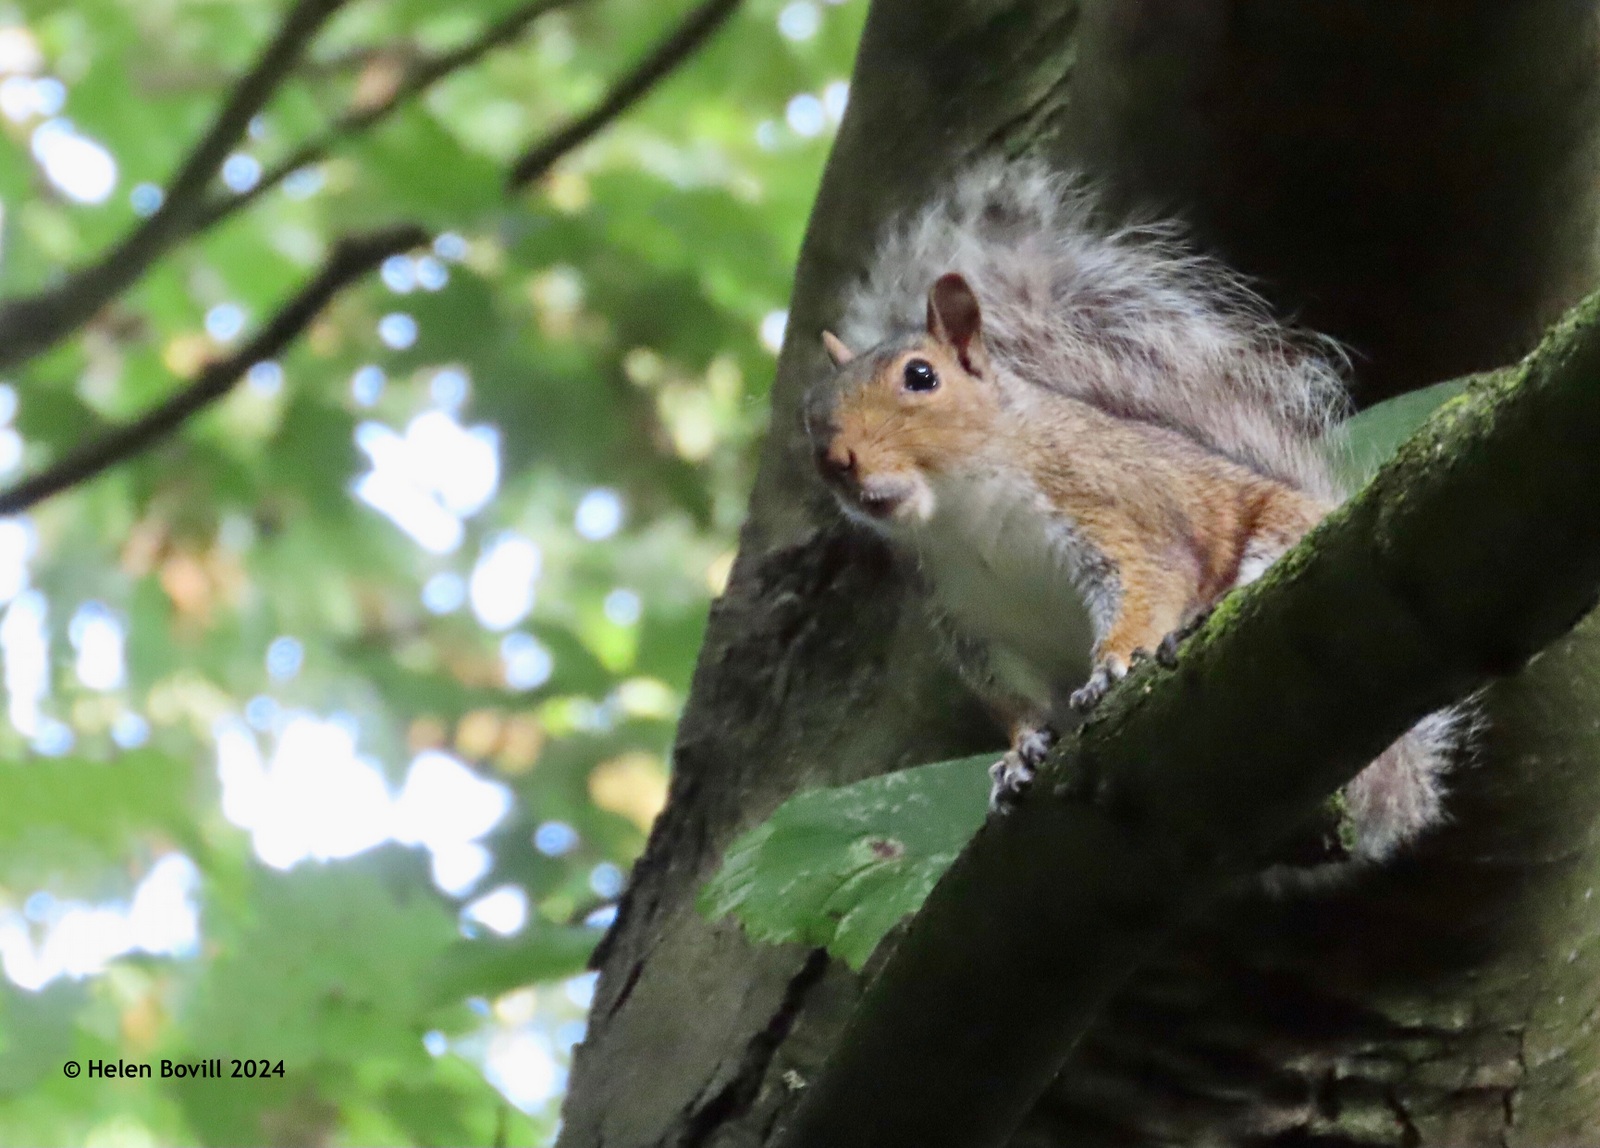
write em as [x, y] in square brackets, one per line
[1338, 811]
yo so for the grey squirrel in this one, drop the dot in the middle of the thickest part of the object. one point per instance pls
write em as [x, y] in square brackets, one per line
[1083, 438]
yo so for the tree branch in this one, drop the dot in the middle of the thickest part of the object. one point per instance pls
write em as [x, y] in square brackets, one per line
[37, 322]
[683, 41]
[1474, 548]
[422, 75]
[31, 325]
[352, 258]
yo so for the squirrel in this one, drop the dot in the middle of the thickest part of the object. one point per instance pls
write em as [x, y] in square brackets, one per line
[1081, 438]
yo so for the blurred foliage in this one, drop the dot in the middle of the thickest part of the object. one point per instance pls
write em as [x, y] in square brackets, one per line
[608, 322]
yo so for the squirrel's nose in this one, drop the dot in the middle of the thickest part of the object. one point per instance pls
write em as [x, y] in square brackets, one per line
[836, 462]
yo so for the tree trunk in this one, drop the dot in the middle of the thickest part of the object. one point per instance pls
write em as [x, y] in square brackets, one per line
[1416, 178]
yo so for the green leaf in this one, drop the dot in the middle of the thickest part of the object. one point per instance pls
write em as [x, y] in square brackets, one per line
[414, 166]
[495, 965]
[62, 809]
[841, 867]
[1360, 445]
[327, 963]
[36, 1032]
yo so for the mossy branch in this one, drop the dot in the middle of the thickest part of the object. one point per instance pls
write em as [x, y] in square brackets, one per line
[1475, 547]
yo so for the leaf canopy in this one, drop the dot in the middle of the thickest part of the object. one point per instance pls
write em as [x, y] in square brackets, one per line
[465, 528]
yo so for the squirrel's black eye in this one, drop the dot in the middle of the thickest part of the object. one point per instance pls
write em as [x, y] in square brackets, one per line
[920, 375]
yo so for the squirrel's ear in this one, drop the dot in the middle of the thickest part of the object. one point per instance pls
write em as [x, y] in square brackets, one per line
[955, 319]
[837, 351]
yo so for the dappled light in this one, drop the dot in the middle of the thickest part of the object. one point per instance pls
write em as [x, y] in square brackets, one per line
[362, 524]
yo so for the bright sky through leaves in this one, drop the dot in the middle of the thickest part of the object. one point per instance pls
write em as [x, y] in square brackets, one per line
[397, 632]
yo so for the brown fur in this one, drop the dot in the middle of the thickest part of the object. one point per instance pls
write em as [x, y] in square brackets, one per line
[1171, 520]
[1124, 317]
[999, 487]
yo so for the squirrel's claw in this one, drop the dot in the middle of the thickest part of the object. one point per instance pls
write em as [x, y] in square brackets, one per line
[1107, 674]
[1167, 651]
[1034, 744]
[1010, 778]
[1014, 773]
[1090, 694]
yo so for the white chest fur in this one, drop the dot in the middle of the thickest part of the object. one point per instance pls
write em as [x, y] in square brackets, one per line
[1011, 573]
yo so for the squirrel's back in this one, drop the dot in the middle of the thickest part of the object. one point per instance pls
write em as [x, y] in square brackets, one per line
[1124, 318]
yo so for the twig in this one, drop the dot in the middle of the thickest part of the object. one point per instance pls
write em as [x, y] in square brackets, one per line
[37, 322]
[695, 30]
[351, 258]
[420, 76]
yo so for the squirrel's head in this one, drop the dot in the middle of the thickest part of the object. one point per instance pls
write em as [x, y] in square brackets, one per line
[894, 418]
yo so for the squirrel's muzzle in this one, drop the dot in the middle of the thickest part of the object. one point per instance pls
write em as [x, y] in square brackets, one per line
[866, 489]
[877, 497]
[836, 462]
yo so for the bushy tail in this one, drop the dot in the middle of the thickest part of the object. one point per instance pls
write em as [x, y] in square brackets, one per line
[1401, 793]
[1126, 318]
[1389, 804]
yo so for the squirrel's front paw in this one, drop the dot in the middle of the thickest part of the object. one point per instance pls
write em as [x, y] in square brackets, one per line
[1014, 773]
[1167, 651]
[1010, 778]
[1107, 674]
[1034, 744]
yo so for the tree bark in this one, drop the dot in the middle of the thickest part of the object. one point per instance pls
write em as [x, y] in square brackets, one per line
[1416, 178]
